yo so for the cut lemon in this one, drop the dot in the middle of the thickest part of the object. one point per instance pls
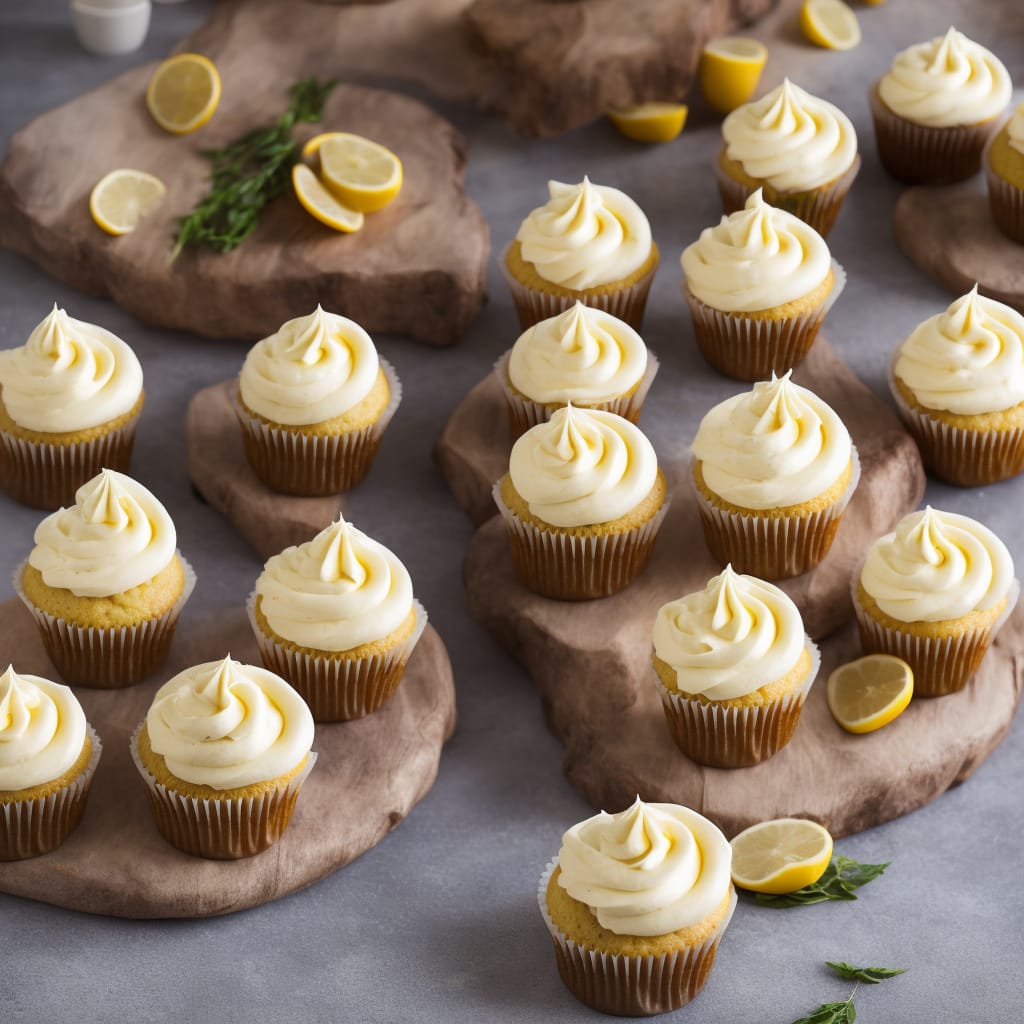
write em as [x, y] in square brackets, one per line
[320, 203]
[120, 199]
[830, 23]
[361, 173]
[650, 122]
[780, 856]
[313, 145]
[865, 694]
[183, 93]
[730, 69]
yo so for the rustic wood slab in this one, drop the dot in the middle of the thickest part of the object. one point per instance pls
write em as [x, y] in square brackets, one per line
[369, 775]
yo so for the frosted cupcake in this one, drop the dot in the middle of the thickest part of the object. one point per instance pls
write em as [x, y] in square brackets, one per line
[799, 150]
[589, 243]
[935, 592]
[70, 400]
[313, 402]
[636, 903]
[1004, 169]
[758, 285]
[337, 619]
[774, 469]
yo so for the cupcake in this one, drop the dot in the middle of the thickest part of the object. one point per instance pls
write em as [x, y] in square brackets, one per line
[799, 150]
[935, 592]
[936, 108]
[313, 401]
[583, 500]
[774, 469]
[70, 399]
[336, 618]
[589, 243]
[636, 903]
[105, 583]
[734, 667]
[958, 381]
[1004, 168]
[758, 286]
[48, 755]
[224, 750]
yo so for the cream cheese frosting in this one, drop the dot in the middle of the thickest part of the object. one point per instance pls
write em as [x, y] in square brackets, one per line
[116, 536]
[776, 445]
[651, 869]
[227, 725]
[42, 730]
[583, 466]
[314, 368]
[736, 635]
[968, 360]
[790, 139]
[70, 375]
[947, 81]
[755, 258]
[585, 236]
[936, 566]
[1015, 130]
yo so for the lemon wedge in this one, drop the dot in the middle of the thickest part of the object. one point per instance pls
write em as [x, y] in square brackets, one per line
[865, 694]
[780, 856]
[120, 199]
[830, 23]
[650, 122]
[183, 93]
[363, 174]
[320, 203]
[730, 68]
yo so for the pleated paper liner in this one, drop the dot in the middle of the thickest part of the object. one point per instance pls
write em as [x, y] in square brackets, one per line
[107, 659]
[311, 465]
[1007, 204]
[33, 827]
[631, 986]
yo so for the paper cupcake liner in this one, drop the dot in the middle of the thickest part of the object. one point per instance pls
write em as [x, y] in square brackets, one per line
[33, 827]
[107, 659]
[1007, 204]
[773, 548]
[310, 465]
[339, 690]
[735, 737]
[631, 986]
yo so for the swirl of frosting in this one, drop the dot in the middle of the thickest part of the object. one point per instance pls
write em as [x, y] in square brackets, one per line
[313, 369]
[736, 635]
[1015, 130]
[583, 466]
[68, 376]
[936, 566]
[649, 870]
[116, 536]
[335, 592]
[947, 81]
[225, 725]
[585, 236]
[790, 139]
[755, 258]
[968, 360]
[581, 355]
[42, 730]
[774, 446]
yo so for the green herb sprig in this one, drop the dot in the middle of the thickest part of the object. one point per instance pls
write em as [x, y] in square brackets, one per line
[846, 1012]
[841, 877]
[868, 975]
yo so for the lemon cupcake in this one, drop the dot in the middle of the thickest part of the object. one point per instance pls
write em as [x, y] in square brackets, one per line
[48, 755]
[336, 618]
[936, 108]
[583, 501]
[313, 402]
[105, 583]
[759, 285]
[70, 400]
[589, 243]
[798, 149]
[774, 469]
[1004, 168]
[935, 592]
[636, 904]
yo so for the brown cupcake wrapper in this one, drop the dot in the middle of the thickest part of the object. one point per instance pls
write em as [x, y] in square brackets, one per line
[631, 986]
[337, 690]
[107, 659]
[29, 828]
[311, 465]
[1006, 202]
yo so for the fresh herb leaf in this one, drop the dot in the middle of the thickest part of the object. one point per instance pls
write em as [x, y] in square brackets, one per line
[869, 975]
[831, 1013]
[838, 882]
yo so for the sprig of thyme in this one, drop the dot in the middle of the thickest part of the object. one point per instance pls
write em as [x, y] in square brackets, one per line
[841, 877]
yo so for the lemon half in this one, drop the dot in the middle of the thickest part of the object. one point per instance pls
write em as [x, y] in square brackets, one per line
[363, 174]
[865, 694]
[730, 68]
[780, 856]
[830, 23]
[650, 122]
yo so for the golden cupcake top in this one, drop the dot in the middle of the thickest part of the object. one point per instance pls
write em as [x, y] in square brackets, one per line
[1015, 130]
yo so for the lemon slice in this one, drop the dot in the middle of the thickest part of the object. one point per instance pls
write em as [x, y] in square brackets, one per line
[865, 694]
[730, 68]
[650, 122]
[320, 203]
[361, 173]
[120, 199]
[830, 23]
[780, 856]
[183, 93]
